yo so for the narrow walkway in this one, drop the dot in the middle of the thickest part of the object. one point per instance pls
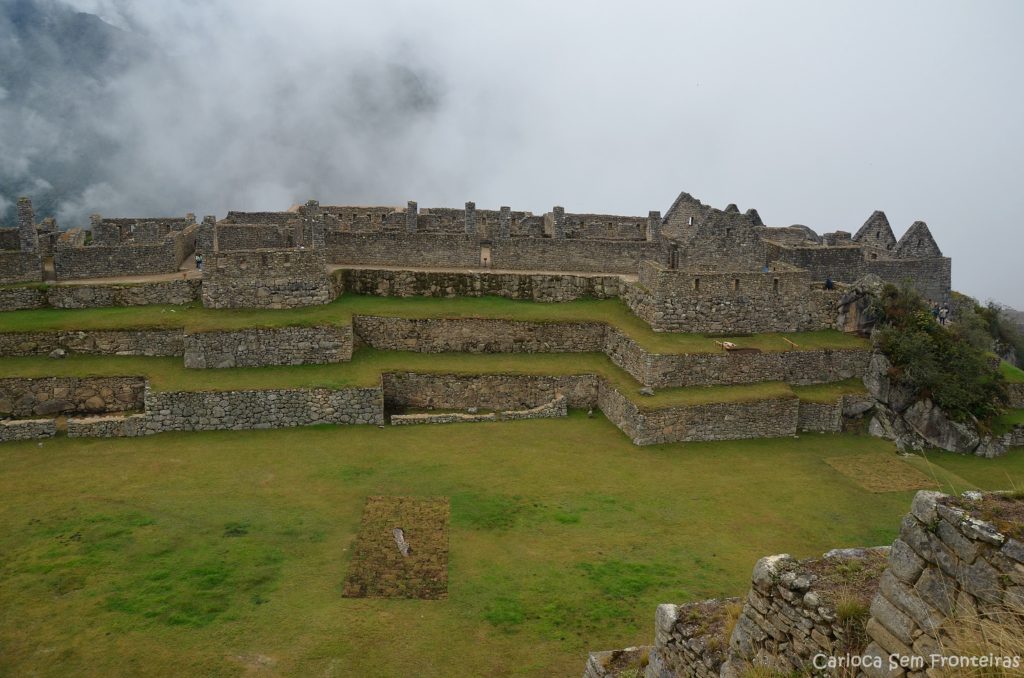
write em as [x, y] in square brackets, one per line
[188, 272]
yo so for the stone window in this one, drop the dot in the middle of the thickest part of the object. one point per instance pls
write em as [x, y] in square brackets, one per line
[696, 284]
[735, 284]
[775, 285]
[728, 233]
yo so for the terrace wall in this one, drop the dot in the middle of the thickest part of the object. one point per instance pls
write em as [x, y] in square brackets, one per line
[1016, 393]
[172, 292]
[23, 397]
[258, 347]
[478, 335]
[100, 342]
[766, 418]
[665, 370]
[27, 429]
[239, 410]
[407, 390]
[534, 287]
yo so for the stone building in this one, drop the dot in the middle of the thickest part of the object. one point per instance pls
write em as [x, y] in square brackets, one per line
[698, 268]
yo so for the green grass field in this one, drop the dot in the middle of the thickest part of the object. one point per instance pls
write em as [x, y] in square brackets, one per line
[612, 311]
[224, 553]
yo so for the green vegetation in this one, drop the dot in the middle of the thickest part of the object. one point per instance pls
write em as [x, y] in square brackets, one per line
[938, 363]
[829, 393]
[195, 318]
[987, 327]
[225, 552]
[1007, 420]
[1012, 374]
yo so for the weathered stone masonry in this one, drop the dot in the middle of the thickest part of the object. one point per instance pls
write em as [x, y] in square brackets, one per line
[21, 397]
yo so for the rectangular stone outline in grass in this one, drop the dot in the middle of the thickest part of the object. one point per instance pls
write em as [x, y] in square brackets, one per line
[881, 473]
[380, 570]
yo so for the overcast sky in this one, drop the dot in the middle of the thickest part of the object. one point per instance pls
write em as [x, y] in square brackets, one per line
[813, 112]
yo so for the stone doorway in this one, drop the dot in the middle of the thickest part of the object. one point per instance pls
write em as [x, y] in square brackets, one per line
[485, 256]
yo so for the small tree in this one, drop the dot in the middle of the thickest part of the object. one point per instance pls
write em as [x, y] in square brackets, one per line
[944, 365]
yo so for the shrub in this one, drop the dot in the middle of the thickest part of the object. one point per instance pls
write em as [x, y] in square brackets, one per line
[940, 364]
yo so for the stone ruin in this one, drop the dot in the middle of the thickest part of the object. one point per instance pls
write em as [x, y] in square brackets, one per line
[956, 566]
[698, 268]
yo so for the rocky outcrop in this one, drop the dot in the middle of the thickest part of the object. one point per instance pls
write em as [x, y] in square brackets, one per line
[914, 423]
[854, 307]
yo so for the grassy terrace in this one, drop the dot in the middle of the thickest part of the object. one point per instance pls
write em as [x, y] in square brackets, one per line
[194, 317]
[169, 374]
[224, 553]
[1013, 375]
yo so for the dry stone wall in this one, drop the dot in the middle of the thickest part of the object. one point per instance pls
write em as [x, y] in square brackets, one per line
[407, 390]
[289, 278]
[551, 254]
[945, 562]
[478, 335]
[690, 640]
[789, 617]
[703, 369]
[1016, 394]
[171, 292]
[556, 408]
[26, 429]
[767, 418]
[103, 342]
[126, 259]
[258, 347]
[238, 410]
[20, 397]
[719, 303]
[534, 287]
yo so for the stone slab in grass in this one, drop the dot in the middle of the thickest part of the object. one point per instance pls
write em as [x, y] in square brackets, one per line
[379, 569]
[881, 473]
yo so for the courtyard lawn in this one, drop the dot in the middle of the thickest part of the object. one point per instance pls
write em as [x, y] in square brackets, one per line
[195, 318]
[225, 553]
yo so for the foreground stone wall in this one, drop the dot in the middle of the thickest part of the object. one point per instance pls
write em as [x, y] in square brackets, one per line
[789, 617]
[534, 287]
[20, 397]
[258, 347]
[944, 562]
[690, 640]
[27, 429]
[407, 390]
[478, 335]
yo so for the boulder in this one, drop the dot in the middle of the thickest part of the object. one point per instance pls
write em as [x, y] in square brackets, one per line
[929, 422]
[58, 353]
[854, 307]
